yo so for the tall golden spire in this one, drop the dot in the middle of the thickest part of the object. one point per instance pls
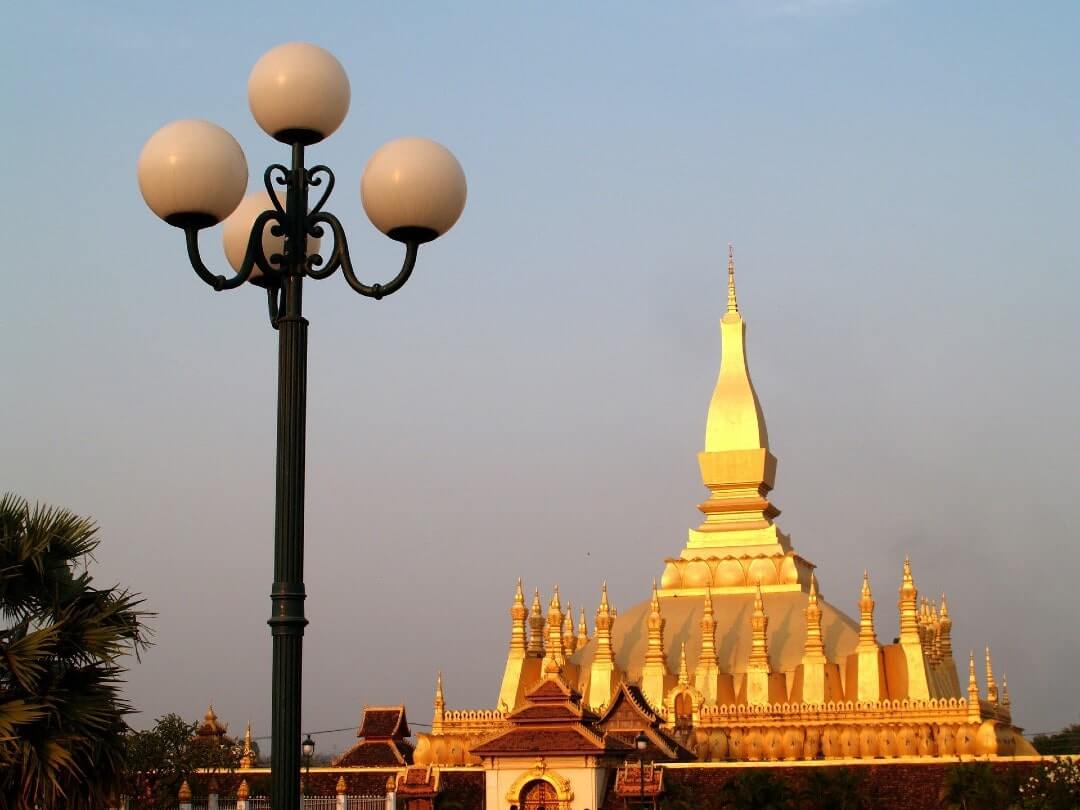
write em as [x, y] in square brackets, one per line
[582, 631]
[735, 419]
[518, 614]
[991, 684]
[536, 627]
[604, 651]
[867, 634]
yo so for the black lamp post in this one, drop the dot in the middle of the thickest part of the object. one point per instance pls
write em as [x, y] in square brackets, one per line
[193, 175]
[307, 748]
[641, 742]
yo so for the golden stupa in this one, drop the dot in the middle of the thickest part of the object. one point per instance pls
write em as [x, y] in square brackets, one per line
[737, 652]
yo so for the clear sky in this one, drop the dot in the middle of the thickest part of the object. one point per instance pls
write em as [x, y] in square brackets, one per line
[899, 179]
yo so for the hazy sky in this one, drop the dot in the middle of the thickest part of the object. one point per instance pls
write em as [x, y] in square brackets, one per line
[899, 179]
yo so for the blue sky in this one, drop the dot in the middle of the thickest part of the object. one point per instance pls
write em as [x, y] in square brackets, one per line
[899, 179]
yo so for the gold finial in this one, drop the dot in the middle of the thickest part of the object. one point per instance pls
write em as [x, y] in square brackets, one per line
[554, 604]
[944, 608]
[184, 794]
[440, 699]
[814, 648]
[340, 787]
[537, 608]
[391, 783]
[603, 597]
[684, 675]
[813, 587]
[243, 791]
[732, 305]
[655, 598]
[655, 623]
[519, 594]
[1005, 691]
[991, 685]
[973, 684]
[582, 631]
[974, 712]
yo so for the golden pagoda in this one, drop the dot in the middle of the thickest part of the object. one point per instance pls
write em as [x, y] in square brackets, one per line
[737, 655]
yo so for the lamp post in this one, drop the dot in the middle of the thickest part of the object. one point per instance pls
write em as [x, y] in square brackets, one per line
[193, 175]
[641, 742]
[307, 748]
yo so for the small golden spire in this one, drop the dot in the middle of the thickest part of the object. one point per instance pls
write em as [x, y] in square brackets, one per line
[439, 715]
[243, 791]
[536, 627]
[684, 674]
[440, 698]
[654, 654]
[708, 633]
[569, 639]
[759, 622]
[732, 304]
[944, 608]
[991, 684]
[972, 690]
[555, 649]
[1005, 692]
[184, 794]
[604, 652]
[867, 634]
[814, 648]
[582, 631]
[247, 758]
[519, 615]
[340, 787]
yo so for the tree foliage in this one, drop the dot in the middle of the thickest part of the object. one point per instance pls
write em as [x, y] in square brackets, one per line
[161, 758]
[61, 639]
[1066, 741]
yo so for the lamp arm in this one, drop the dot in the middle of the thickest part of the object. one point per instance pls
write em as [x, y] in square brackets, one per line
[252, 256]
[340, 258]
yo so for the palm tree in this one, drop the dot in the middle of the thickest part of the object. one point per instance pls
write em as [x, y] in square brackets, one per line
[61, 639]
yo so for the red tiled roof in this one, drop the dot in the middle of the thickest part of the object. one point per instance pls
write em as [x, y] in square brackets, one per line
[376, 754]
[385, 722]
[570, 740]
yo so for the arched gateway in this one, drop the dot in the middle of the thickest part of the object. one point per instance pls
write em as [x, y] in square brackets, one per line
[539, 795]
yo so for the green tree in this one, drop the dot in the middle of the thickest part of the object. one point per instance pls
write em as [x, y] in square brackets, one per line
[61, 640]
[1055, 785]
[161, 758]
[973, 786]
[1066, 741]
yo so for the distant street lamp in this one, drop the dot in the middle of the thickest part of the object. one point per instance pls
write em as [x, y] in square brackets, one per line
[307, 748]
[193, 175]
[641, 742]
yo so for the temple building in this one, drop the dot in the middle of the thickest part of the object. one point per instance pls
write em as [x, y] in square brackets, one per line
[735, 654]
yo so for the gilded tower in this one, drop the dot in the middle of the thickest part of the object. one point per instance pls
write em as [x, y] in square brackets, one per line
[736, 651]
